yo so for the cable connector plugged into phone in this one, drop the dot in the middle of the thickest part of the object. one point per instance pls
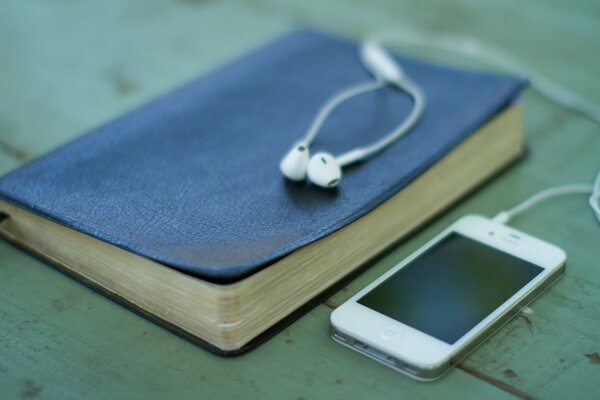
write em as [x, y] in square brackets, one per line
[594, 199]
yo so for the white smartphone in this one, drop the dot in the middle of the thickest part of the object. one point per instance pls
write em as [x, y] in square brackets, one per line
[429, 311]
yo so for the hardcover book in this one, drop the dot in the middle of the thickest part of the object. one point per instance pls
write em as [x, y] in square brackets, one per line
[179, 211]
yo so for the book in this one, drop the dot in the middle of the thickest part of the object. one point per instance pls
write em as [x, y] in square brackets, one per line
[178, 209]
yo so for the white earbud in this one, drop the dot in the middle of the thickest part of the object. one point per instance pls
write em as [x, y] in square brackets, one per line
[323, 170]
[293, 165]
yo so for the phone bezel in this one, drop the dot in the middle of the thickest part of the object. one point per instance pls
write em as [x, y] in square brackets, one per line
[419, 350]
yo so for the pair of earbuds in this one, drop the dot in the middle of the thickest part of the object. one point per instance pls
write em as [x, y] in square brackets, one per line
[325, 170]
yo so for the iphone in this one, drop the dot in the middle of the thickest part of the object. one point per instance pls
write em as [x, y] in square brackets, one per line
[429, 311]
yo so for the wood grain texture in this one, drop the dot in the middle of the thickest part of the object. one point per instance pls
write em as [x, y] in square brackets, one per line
[71, 343]
[67, 67]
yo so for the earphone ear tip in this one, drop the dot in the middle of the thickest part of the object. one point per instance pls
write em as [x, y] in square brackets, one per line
[293, 165]
[323, 170]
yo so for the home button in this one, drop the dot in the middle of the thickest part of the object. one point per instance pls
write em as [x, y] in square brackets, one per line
[389, 332]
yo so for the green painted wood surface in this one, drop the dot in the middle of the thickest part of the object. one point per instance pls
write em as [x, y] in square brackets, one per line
[68, 66]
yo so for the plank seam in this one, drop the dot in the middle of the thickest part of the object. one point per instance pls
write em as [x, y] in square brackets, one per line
[495, 382]
[13, 151]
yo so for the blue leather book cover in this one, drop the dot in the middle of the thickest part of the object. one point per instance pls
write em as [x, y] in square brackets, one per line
[192, 180]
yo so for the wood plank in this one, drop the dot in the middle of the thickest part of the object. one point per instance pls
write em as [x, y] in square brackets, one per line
[554, 36]
[73, 67]
[61, 340]
[70, 67]
[7, 162]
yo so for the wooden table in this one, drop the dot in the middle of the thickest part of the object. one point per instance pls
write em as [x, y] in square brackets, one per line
[68, 66]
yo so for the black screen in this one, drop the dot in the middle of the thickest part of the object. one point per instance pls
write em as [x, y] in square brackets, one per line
[450, 288]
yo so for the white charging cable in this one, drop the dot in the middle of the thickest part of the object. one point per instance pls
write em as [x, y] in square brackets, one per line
[594, 199]
[335, 101]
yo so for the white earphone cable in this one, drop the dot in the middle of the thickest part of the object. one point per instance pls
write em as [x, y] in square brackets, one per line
[554, 92]
[387, 72]
[476, 50]
[405, 126]
[335, 101]
[401, 82]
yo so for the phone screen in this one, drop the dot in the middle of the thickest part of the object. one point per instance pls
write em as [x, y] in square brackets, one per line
[450, 288]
